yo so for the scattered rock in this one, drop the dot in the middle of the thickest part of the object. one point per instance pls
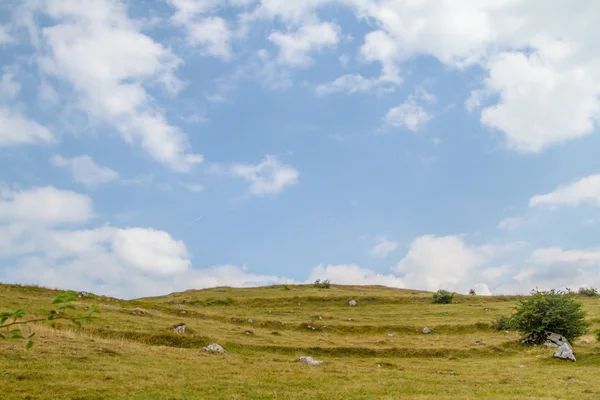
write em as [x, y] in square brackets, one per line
[426, 331]
[486, 309]
[565, 352]
[82, 294]
[249, 333]
[214, 348]
[275, 333]
[352, 303]
[588, 391]
[310, 361]
[349, 319]
[250, 321]
[391, 334]
[479, 343]
[180, 328]
[521, 366]
[139, 311]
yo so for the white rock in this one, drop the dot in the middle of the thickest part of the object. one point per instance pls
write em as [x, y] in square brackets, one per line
[180, 328]
[250, 320]
[214, 348]
[565, 352]
[391, 334]
[310, 361]
[352, 303]
[426, 330]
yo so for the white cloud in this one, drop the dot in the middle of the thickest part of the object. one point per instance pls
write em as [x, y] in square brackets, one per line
[15, 129]
[351, 83]
[47, 93]
[584, 191]
[5, 37]
[383, 248]
[409, 114]
[45, 205]
[9, 87]
[124, 262]
[439, 262]
[350, 274]
[556, 255]
[211, 33]
[85, 170]
[511, 224]
[193, 187]
[295, 47]
[100, 51]
[269, 176]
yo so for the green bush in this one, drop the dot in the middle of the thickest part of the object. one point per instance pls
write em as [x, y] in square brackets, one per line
[442, 297]
[323, 284]
[590, 292]
[472, 292]
[550, 311]
[502, 323]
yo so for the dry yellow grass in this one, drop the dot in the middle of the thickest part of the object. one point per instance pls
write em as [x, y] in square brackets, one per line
[123, 355]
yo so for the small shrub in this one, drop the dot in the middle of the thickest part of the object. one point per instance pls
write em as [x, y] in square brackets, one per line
[550, 311]
[502, 323]
[442, 297]
[589, 292]
[323, 284]
[472, 292]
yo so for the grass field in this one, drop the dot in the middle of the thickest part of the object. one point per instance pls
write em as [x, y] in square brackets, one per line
[123, 355]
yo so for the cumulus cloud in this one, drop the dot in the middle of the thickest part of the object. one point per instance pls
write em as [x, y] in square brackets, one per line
[270, 176]
[583, 191]
[383, 248]
[511, 224]
[211, 33]
[295, 47]
[85, 170]
[350, 274]
[434, 262]
[97, 49]
[9, 87]
[38, 247]
[410, 114]
[16, 129]
[45, 206]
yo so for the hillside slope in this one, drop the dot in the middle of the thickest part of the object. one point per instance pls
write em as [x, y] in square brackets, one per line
[374, 350]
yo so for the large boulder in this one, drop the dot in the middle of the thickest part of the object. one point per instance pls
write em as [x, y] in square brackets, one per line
[309, 361]
[565, 352]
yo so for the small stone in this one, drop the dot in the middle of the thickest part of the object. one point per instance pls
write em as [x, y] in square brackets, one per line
[521, 366]
[180, 328]
[352, 303]
[214, 348]
[349, 319]
[479, 343]
[310, 361]
[138, 311]
[250, 321]
[391, 334]
[426, 331]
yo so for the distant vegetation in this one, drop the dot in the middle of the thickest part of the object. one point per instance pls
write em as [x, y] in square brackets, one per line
[590, 292]
[442, 297]
[322, 284]
[472, 292]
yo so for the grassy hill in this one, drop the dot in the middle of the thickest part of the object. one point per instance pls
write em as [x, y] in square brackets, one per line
[129, 352]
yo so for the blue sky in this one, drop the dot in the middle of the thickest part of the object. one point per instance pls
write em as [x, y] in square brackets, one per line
[148, 147]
